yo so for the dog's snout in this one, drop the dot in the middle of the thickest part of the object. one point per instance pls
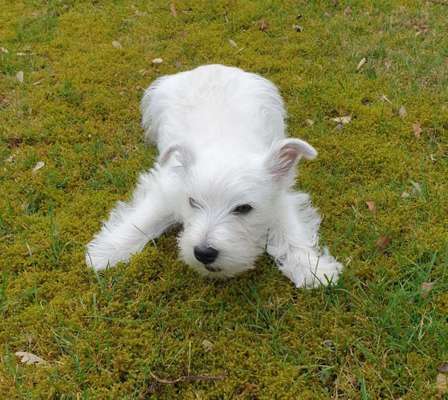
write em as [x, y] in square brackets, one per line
[206, 255]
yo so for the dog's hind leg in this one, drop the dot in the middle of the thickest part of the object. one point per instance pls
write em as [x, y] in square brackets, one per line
[293, 243]
[131, 225]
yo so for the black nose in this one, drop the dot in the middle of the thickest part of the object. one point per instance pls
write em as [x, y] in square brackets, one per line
[206, 255]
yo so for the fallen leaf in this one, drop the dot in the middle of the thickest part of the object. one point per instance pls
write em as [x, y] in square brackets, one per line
[441, 384]
[232, 43]
[173, 10]
[38, 166]
[371, 205]
[416, 187]
[309, 122]
[405, 195]
[29, 358]
[443, 368]
[388, 64]
[19, 76]
[417, 130]
[263, 25]
[3, 50]
[382, 243]
[426, 288]
[342, 120]
[207, 345]
[402, 112]
[117, 44]
[361, 63]
[157, 61]
[297, 28]
[347, 11]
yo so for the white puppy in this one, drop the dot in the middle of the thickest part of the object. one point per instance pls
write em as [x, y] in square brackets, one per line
[225, 172]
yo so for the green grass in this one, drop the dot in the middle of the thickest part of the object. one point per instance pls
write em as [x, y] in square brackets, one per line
[373, 335]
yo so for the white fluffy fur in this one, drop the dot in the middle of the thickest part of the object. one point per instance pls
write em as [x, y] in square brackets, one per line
[220, 133]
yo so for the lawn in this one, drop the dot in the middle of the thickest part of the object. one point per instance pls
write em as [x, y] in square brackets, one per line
[72, 74]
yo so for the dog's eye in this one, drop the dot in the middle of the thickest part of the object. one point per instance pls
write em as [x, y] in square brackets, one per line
[242, 209]
[193, 203]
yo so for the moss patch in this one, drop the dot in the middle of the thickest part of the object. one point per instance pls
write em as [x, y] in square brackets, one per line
[374, 335]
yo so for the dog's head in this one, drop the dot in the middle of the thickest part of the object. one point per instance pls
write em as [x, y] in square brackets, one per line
[229, 201]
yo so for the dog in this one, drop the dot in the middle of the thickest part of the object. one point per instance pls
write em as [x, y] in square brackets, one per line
[225, 171]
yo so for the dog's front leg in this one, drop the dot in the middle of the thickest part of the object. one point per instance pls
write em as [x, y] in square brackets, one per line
[293, 242]
[131, 225]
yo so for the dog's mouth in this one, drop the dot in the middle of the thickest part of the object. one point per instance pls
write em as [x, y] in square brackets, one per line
[211, 268]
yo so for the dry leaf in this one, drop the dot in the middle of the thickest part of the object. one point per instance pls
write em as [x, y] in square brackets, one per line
[426, 288]
[157, 61]
[207, 345]
[117, 44]
[347, 11]
[361, 63]
[382, 243]
[38, 166]
[402, 112]
[417, 130]
[3, 50]
[263, 25]
[19, 76]
[443, 368]
[173, 10]
[309, 122]
[297, 28]
[416, 188]
[232, 43]
[371, 205]
[29, 358]
[441, 384]
[342, 120]
[405, 195]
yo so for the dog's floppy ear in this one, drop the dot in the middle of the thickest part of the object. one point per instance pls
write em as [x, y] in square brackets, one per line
[178, 154]
[285, 154]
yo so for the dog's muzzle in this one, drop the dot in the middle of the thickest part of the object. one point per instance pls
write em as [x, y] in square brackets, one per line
[211, 268]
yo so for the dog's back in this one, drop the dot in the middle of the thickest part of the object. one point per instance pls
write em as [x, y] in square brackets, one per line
[213, 104]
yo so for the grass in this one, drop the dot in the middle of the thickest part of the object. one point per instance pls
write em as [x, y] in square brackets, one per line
[117, 335]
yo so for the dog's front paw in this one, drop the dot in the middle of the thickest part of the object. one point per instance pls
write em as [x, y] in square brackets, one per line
[324, 272]
[98, 256]
[308, 270]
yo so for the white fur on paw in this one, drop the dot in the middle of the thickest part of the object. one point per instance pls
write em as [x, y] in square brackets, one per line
[305, 269]
[99, 256]
[324, 273]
